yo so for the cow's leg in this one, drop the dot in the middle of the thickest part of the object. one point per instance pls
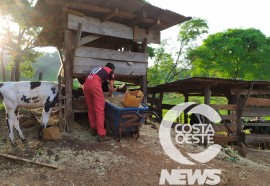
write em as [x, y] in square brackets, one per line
[44, 121]
[17, 126]
[10, 120]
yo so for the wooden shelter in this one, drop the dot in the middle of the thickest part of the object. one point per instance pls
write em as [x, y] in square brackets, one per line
[244, 99]
[92, 32]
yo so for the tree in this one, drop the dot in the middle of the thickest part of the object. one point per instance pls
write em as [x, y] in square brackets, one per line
[234, 53]
[172, 65]
[19, 38]
[163, 62]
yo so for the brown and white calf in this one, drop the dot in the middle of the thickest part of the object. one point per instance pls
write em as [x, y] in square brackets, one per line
[29, 95]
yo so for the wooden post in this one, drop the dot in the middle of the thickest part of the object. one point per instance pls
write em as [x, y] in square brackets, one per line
[144, 78]
[207, 95]
[144, 88]
[144, 45]
[238, 115]
[160, 104]
[61, 97]
[185, 112]
[68, 79]
[77, 41]
[240, 108]
[40, 75]
[78, 34]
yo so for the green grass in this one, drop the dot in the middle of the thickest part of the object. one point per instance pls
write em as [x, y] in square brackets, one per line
[2, 108]
[175, 98]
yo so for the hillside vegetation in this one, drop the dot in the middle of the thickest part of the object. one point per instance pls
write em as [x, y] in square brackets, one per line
[48, 64]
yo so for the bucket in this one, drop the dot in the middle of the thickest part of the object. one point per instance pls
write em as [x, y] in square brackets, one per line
[132, 98]
[51, 133]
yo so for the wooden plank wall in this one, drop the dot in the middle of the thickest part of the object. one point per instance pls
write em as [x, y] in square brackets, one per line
[155, 102]
[126, 63]
[96, 26]
[257, 107]
[230, 109]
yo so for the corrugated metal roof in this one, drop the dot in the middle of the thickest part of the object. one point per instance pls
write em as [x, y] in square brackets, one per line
[228, 79]
[219, 86]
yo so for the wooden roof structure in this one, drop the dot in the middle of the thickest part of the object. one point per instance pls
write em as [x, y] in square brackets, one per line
[246, 98]
[219, 86]
[92, 33]
[133, 13]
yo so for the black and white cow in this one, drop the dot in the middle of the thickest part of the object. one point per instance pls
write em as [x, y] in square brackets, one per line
[27, 95]
[196, 118]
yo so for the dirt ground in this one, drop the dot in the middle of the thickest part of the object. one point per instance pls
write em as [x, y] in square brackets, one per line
[81, 160]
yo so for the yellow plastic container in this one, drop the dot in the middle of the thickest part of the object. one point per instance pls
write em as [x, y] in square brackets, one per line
[132, 98]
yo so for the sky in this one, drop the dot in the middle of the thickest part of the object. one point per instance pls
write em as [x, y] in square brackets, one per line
[220, 14]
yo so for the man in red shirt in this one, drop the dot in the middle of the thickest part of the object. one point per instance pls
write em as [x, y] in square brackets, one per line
[94, 96]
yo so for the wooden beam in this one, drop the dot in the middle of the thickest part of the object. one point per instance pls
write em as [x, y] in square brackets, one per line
[152, 100]
[88, 39]
[224, 107]
[258, 101]
[167, 106]
[11, 157]
[256, 112]
[254, 91]
[222, 127]
[224, 139]
[137, 19]
[78, 34]
[74, 12]
[231, 117]
[256, 124]
[110, 15]
[82, 66]
[257, 138]
[99, 53]
[95, 26]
